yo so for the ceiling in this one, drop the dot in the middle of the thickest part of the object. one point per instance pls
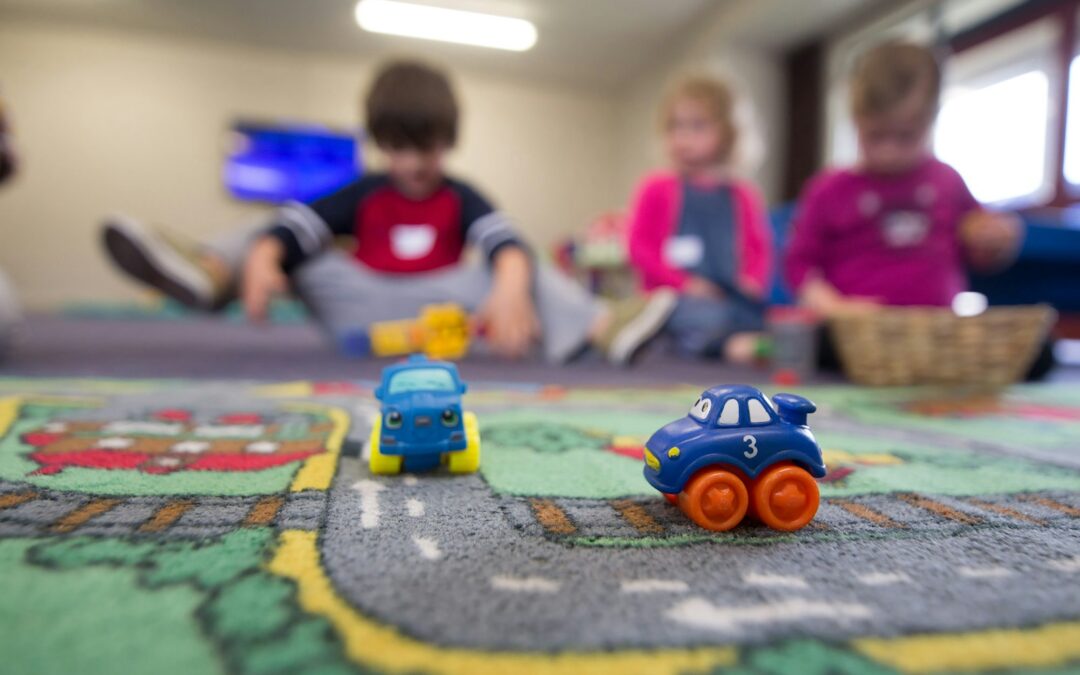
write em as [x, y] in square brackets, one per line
[592, 43]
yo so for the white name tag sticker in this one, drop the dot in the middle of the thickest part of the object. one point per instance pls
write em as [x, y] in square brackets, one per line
[411, 242]
[684, 251]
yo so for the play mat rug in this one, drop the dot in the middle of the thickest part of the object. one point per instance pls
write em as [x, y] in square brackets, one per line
[181, 527]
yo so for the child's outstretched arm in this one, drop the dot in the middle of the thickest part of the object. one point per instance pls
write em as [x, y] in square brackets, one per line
[756, 250]
[651, 221]
[262, 277]
[991, 240]
[805, 258]
[298, 232]
[508, 314]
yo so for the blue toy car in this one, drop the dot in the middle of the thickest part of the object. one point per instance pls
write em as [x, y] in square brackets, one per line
[421, 424]
[739, 452]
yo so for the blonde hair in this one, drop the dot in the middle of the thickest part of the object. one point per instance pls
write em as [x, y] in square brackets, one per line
[715, 95]
[889, 73]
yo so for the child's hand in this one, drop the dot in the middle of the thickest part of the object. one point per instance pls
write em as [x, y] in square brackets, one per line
[509, 323]
[262, 277]
[990, 239]
[821, 297]
[854, 306]
[700, 287]
[508, 315]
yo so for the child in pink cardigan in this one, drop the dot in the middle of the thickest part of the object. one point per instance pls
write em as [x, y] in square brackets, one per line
[702, 233]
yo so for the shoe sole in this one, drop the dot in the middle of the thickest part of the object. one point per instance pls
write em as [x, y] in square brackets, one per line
[633, 338]
[158, 266]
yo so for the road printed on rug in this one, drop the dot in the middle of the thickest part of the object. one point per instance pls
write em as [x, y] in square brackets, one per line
[527, 567]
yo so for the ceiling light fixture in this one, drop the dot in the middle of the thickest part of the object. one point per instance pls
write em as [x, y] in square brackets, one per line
[446, 25]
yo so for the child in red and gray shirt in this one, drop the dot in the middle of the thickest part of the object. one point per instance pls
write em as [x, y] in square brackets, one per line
[412, 225]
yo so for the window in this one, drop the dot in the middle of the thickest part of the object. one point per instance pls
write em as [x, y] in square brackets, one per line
[995, 123]
[422, 379]
[758, 414]
[1009, 120]
[1072, 125]
[995, 136]
[729, 416]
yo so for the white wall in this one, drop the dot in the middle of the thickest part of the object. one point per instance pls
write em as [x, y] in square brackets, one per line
[109, 120]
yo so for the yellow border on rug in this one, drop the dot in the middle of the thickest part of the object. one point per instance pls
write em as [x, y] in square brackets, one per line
[1042, 647]
[371, 643]
[318, 470]
[9, 412]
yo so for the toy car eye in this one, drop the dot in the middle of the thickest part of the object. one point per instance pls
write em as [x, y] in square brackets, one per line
[449, 417]
[394, 420]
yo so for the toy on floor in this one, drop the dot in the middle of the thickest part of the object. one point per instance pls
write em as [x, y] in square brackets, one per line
[739, 452]
[793, 332]
[440, 332]
[421, 424]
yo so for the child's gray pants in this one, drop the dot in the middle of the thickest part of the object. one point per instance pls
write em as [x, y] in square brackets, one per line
[345, 296]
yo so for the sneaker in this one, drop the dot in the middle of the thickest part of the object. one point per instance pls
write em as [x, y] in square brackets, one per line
[635, 324]
[170, 267]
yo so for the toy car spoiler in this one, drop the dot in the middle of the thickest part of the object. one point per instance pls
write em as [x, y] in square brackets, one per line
[793, 409]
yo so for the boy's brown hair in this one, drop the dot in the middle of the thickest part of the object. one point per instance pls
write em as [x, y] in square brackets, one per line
[888, 74]
[411, 105]
[715, 95]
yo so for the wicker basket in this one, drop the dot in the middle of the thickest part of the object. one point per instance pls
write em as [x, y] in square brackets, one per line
[929, 345]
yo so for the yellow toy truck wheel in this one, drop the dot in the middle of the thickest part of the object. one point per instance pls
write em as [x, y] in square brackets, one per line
[467, 460]
[378, 462]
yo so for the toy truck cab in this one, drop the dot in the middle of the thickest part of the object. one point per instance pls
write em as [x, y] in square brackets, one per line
[421, 422]
[739, 452]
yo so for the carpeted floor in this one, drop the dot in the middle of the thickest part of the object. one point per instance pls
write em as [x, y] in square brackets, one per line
[199, 347]
[227, 526]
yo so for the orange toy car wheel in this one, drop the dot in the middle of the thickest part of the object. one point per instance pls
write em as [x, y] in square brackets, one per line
[715, 499]
[785, 497]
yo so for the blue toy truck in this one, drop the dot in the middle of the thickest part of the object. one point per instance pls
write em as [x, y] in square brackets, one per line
[736, 453]
[421, 424]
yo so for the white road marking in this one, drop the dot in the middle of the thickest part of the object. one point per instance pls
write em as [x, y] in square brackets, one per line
[230, 430]
[654, 586]
[262, 447]
[984, 572]
[369, 502]
[1065, 564]
[524, 584]
[415, 508]
[883, 578]
[191, 447]
[429, 548]
[114, 443]
[151, 428]
[410, 480]
[700, 613]
[774, 580]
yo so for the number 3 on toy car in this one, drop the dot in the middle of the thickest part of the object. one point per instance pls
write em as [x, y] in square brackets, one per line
[752, 442]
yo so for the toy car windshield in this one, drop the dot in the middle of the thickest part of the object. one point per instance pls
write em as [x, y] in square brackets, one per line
[422, 379]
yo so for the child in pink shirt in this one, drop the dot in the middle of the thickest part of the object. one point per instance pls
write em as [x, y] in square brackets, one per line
[697, 230]
[900, 227]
